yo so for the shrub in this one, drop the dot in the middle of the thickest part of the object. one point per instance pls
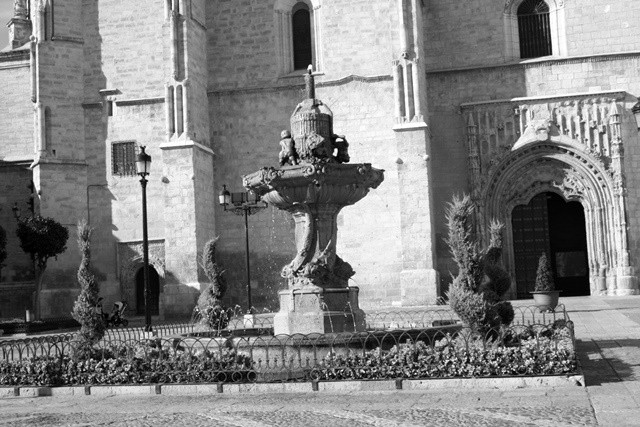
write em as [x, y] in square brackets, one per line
[209, 309]
[42, 238]
[476, 292]
[85, 311]
[544, 276]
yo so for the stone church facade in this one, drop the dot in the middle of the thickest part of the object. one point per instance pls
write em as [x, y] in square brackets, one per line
[528, 105]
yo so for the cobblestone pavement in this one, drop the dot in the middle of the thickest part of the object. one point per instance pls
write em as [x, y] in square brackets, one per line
[530, 407]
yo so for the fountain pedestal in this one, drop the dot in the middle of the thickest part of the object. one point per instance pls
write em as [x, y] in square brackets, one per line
[312, 310]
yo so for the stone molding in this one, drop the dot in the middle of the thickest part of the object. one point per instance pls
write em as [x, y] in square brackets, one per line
[186, 144]
[538, 62]
[139, 101]
[270, 88]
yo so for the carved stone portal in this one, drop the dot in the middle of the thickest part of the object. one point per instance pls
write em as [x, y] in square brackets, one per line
[572, 147]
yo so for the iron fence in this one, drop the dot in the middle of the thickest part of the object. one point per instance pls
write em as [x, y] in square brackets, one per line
[449, 351]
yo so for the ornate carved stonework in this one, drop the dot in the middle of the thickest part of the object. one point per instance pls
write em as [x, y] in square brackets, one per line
[130, 260]
[21, 9]
[568, 145]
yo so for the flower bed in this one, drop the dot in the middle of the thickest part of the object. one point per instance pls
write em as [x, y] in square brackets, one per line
[140, 364]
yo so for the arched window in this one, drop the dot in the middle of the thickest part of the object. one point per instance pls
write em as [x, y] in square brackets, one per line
[534, 30]
[298, 35]
[301, 36]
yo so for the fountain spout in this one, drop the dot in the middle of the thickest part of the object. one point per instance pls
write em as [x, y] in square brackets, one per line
[310, 83]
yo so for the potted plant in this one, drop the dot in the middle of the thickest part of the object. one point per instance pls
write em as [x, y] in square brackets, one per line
[545, 294]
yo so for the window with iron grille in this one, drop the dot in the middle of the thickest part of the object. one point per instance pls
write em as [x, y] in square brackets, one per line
[534, 29]
[123, 158]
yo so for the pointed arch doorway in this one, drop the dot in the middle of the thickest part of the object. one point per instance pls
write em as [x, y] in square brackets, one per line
[550, 224]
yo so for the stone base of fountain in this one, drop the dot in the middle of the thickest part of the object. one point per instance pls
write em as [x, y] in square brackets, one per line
[314, 310]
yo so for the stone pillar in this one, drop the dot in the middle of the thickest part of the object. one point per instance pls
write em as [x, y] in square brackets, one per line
[189, 223]
[419, 280]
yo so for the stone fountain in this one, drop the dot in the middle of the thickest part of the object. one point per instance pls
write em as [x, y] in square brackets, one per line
[314, 183]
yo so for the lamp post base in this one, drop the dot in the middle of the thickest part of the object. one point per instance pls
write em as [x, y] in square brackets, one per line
[314, 310]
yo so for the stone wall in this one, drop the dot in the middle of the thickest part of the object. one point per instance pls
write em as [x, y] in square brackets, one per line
[592, 27]
[126, 48]
[16, 109]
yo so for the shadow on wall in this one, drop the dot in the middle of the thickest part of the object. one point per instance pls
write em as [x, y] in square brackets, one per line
[100, 198]
[176, 300]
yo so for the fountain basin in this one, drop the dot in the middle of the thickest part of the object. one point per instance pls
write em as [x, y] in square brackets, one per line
[316, 184]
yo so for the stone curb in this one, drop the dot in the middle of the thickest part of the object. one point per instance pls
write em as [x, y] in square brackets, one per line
[304, 387]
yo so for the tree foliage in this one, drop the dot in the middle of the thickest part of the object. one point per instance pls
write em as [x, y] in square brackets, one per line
[544, 276]
[209, 308]
[85, 311]
[42, 238]
[477, 291]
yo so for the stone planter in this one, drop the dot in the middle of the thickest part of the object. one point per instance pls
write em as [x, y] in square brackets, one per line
[546, 300]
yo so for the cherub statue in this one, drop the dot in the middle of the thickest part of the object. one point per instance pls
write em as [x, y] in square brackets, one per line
[288, 152]
[20, 9]
[342, 146]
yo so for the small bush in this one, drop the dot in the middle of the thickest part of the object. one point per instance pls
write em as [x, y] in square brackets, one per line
[544, 276]
[209, 311]
[476, 292]
[85, 312]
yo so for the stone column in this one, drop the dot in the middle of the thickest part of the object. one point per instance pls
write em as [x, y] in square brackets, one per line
[419, 280]
[189, 222]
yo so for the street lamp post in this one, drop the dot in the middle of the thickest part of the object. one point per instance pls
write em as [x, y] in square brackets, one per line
[243, 203]
[143, 166]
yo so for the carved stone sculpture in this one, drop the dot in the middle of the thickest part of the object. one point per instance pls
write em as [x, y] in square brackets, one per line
[315, 186]
[21, 9]
[288, 154]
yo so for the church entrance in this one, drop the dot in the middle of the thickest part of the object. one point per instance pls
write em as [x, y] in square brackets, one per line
[154, 289]
[550, 224]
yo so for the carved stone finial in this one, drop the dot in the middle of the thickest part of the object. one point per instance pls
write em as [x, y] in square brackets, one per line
[20, 9]
[310, 83]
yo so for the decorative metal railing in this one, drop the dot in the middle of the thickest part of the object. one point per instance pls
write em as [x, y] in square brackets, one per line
[449, 351]
[262, 324]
